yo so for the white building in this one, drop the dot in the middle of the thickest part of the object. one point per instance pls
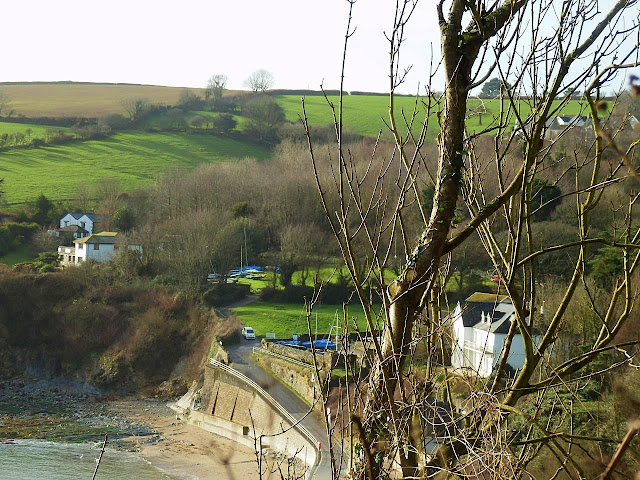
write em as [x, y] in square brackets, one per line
[73, 231]
[480, 328]
[560, 124]
[634, 121]
[100, 247]
[87, 221]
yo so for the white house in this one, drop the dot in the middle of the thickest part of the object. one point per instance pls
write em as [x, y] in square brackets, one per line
[634, 121]
[87, 221]
[100, 247]
[559, 124]
[480, 328]
[74, 231]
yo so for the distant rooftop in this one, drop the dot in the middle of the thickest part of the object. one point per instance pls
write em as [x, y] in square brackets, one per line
[102, 237]
[480, 297]
[91, 216]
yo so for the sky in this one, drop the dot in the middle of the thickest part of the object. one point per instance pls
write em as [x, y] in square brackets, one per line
[184, 43]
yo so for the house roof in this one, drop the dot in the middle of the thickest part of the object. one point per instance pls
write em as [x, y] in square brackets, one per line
[564, 121]
[72, 228]
[102, 237]
[499, 323]
[91, 216]
[489, 312]
[472, 312]
[480, 297]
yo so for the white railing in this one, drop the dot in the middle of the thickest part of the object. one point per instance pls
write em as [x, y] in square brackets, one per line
[285, 414]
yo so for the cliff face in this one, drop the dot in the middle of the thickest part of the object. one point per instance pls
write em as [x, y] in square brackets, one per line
[78, 323]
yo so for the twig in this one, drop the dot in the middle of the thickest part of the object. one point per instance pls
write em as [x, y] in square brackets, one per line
[104, 444]
[634, 428]
[365, 446]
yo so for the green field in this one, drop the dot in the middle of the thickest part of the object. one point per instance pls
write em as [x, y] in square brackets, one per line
[36, 130]
[288, 318]
[133, 159]
[365, 114]
[20, 255]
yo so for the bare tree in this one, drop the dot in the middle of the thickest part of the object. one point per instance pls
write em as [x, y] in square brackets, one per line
[136, 107]
[260, 81]
[535, 47]
[215, 89]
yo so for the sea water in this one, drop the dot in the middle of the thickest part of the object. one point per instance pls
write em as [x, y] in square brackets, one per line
[43, 460]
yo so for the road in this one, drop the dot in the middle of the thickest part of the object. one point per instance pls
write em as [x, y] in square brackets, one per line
[240, 356]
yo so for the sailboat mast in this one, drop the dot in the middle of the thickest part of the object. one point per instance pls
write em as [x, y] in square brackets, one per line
[246, 253]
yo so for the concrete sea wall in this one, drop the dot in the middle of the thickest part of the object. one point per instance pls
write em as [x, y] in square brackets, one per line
[230, 405]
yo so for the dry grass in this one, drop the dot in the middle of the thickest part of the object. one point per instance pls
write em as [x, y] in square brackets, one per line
[85, 100]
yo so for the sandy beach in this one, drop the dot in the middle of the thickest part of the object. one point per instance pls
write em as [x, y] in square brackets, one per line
[184, 451]
[63, 411]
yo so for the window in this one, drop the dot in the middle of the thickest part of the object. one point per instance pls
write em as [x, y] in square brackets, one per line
[96, 246]
[66, 223]
[82, 224]
[80, 246]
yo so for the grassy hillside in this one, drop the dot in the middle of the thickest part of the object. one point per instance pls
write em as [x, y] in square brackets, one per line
[82, 100]
[365, 114]
[133, 159]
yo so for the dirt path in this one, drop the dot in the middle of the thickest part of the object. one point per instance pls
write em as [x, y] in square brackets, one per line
[226, 311]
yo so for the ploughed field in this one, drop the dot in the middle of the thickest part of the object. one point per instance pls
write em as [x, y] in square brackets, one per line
[82, 100]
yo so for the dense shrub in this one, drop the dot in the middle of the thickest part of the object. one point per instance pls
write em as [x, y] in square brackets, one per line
[332, 294]
[120, 336]
[114, 122]
[224, 122]
[53, 136]
[224, 294]
[13, 235]
[90, 132]
[265, 115]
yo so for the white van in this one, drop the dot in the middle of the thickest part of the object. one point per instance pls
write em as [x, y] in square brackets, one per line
[248, 333]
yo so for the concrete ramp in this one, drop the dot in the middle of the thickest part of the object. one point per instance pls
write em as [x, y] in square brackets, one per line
[225, 401]
[231, 405]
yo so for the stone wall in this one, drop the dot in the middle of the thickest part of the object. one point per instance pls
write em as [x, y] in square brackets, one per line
[324, 359]
[297, 377]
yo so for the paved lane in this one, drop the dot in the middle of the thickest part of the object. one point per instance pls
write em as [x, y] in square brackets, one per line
[241, 361]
